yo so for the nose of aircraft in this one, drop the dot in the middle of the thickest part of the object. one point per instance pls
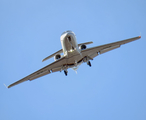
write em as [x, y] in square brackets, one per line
[65, 35]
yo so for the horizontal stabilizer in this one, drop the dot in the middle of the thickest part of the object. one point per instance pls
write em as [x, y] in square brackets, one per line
[86, 43]
[58, 52]
[61, 51]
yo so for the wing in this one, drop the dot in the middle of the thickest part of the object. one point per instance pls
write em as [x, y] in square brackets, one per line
[94, 51]
[53, 67]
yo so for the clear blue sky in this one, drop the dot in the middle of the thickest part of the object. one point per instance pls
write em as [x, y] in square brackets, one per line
[114, 88]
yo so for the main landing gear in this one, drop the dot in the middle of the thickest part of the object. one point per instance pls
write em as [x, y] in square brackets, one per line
[89, 63]
[65, 72]
[87, 60]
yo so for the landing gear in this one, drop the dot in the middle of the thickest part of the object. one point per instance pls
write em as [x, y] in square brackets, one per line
[65, 72]
[89, 63]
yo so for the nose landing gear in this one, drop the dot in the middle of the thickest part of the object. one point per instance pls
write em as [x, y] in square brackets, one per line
[89, 63]
[65, 72]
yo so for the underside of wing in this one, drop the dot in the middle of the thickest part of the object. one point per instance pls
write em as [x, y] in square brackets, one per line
[94, 51]
[53, 67]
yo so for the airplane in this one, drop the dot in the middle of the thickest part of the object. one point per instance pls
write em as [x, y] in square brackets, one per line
[73, 55]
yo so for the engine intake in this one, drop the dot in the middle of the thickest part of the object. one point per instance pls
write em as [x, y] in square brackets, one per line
[82, 47]
[57, 57]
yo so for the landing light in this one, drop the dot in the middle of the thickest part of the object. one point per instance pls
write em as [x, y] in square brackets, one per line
[71, 50]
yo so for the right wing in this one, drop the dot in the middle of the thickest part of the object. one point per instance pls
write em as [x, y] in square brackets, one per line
[53, 67]
[94, 51]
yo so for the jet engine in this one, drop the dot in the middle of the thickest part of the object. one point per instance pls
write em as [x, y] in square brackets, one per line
[82, 47]
[57, 57]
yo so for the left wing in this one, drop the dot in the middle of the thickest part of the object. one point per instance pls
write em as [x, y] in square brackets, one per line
[53, 67]
[94, 51]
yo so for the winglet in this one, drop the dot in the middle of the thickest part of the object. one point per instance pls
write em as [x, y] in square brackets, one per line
[140, 35]
[5, 86]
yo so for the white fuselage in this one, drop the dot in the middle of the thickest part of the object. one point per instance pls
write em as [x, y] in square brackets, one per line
[71, 49]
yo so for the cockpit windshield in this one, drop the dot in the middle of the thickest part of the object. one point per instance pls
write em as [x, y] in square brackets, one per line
[68, 31]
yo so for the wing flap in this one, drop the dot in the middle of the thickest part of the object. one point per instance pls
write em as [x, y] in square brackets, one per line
[56, 69]
[55, 64]
[40, 75]
[108, 49]
[94, 55]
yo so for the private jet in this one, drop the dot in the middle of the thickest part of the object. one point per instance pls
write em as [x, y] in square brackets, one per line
[72, 55]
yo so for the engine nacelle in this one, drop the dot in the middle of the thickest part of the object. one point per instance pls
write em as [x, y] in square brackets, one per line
[82, 47]
[57, 57]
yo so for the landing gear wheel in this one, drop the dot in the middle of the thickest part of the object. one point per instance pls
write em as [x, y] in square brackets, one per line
[89, 63]
[65, 72]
